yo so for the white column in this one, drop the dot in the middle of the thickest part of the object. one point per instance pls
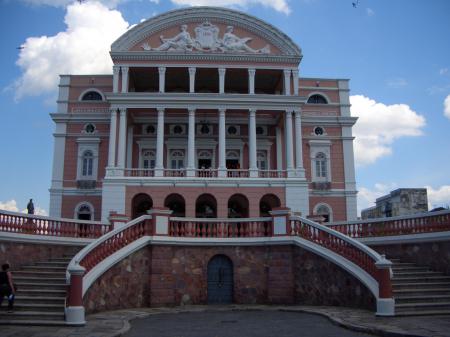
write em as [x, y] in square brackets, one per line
[289, 147]
[222, 72]
[251, 81]
[299, 144]
[125, 79]
[279, 149]
[112, 138]
[253, 167]
[295, 79]
[222, 144]
[130, 147]
[191, 144]
[162, 79]
[121, 153]
[287, 82]
[116, 72]
[159, 167]
[192, 71]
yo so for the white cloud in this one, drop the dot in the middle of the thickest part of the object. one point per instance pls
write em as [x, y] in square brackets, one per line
[447, 107]
[83, 48]
[370, 12]
[367, 197]
[278, 5]
[397, 82]
[379, 125]
[443, 71]
[11, 205]
[65, 3]
[439, 197]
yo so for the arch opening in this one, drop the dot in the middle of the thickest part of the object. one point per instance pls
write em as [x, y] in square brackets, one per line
[267, 203]
[206, 206]
[175, 202]
[220, 280]
[140, 204]
[238, 206]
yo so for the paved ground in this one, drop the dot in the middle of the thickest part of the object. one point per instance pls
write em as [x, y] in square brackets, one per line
[234, 319]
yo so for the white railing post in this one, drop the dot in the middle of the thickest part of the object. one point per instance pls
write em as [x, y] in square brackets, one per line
[74, 311]
[280, 221]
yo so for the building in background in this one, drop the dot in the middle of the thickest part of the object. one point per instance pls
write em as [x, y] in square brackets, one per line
[402, 201]
[205, 113]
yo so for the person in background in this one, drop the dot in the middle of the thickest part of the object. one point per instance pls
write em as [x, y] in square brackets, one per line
[30, 207]
[7, 286]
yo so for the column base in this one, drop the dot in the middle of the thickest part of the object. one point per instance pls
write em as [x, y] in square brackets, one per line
[385, 307]
[222, 173]
[291, 173]
[254, 173]
[75, 316]
[301, 173]
[159, 172]
[190, 172]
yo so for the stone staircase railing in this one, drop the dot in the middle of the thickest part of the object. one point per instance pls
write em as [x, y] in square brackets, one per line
[20, 223]
[368, 266]
[429, 222]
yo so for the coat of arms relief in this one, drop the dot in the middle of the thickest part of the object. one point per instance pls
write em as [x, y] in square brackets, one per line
[206, 40]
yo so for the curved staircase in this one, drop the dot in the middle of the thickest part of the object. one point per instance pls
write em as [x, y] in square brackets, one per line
[419, 291]
[40, 298]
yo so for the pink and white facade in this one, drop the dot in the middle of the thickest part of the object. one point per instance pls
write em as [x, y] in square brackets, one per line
[206, 114]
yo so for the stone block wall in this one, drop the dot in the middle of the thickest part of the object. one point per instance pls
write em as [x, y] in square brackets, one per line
[435, 255]
[177, 275]
[19, 254]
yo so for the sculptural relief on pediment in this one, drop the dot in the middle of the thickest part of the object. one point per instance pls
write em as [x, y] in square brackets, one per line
[206, 37]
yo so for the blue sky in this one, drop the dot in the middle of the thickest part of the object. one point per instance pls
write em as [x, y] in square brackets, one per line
[396, 54]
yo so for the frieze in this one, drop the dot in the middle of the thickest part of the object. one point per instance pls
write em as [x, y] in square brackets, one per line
[206, 40]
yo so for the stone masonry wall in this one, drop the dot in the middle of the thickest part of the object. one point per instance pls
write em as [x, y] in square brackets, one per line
[435, 255]
[19, 254]
[177, 275]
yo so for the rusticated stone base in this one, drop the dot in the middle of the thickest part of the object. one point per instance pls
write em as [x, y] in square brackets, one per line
[177, 275]
[125, 285]
[21, 254]
[435, 255]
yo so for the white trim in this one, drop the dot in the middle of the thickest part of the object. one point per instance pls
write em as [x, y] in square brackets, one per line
[324, 95]
[84, 145]
[92, 89]
[406, 239]
[44, 239]
[330, 209]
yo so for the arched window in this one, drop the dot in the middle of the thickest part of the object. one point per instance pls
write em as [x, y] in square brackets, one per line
[148, 159]
[317, 99]
[88, 163]
[92, 96]
[84, 211]
[321, 165]
[177, 159]
[324, 211]
[261, 160]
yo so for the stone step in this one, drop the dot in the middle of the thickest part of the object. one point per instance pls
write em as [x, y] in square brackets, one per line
[414, 279]
[23, 299]
[425, 273]
[53, 264]
[403, 307]
[422, 299]
[40, 268]
[421, 285]
[42, 274]
[61, 259]
[38, 291]
[23, 286]
[409, 269]
[422, 313]
[19, 307]
[43, 280]
[33, 322]
[32, 316]
[422, 291]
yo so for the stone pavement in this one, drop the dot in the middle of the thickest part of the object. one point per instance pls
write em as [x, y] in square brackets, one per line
[117, 323]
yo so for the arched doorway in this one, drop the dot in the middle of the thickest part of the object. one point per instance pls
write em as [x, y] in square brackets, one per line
[238, 206]
[325, 211]
[220, 280]
[176, 204]
[267, 203]
[206, 206]
[140, 204]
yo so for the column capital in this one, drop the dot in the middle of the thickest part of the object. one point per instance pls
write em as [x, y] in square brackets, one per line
[113, 109]
[162, 70]
[222, 71]
[192, 70]
[191, 110]
[123, 111]
[289, 112]
[287, 72]
[222, 110]
[251, 71]
[252, 111]
[160, 109]
[125, 68]
[295, 71]
[297, 110]
[116, 69]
